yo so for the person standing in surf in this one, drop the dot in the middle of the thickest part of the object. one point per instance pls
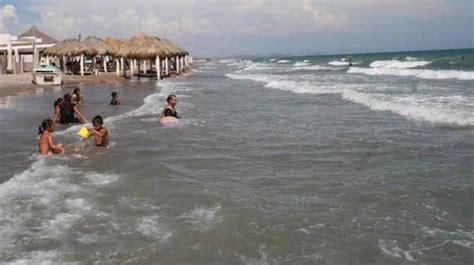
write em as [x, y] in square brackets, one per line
[67, 112]
[169, 113]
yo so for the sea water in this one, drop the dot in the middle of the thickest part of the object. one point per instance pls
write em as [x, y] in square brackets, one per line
[298, 160]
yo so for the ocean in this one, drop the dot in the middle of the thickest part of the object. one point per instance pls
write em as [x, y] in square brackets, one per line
[294, 160]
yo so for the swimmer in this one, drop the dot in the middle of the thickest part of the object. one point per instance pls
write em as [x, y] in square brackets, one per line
[100, 133]
[115, 99]
[45, 143]
[169, 114]
[57, 109]
[77, 97]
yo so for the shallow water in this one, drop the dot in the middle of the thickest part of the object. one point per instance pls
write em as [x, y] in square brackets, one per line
[301, 166]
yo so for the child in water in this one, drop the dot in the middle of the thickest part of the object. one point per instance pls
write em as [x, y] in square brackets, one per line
[77, 97]
[115, 100]
[100, 133]
[45, 143]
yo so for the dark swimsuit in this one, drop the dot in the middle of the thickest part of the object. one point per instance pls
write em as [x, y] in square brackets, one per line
[67, 113]
[114, 101]
[169, 112]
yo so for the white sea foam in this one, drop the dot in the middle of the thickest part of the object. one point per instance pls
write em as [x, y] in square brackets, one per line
[315, 68]
[102, 179]
[302, 87]
[283, 61]
[202, 218]
[434, 110]
[396, 64]
[297, 64]
[258, 66]
[408, 58]
[338, 63]
[391, 248]
[419, 73]
[151, 226]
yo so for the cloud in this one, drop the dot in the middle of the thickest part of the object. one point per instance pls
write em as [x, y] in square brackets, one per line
[181, 27]
[60, 24]
[323, 19]
[7, 14]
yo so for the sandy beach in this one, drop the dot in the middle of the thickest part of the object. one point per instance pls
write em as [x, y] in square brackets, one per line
[13, 84]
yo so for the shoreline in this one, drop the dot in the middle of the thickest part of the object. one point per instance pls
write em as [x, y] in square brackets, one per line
[11, 85]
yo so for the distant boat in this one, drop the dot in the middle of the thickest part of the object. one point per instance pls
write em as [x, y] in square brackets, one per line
[45, 74]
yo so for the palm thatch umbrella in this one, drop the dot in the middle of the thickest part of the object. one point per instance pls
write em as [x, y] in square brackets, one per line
[181, 55]
[70, 48]
[143, 47]
[98, 45]
[100, 48]
[116, 44]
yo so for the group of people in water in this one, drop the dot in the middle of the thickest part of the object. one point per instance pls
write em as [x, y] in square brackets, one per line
[67, 111]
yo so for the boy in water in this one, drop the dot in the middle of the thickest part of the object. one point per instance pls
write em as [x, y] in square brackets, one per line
[115, 100]
[45, 143]
[100, 133]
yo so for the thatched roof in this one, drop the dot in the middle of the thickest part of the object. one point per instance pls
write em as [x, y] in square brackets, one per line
[141, 46]
[114, 43]
[174, 48]
[98, 45]
[34, 32]
[69, 47]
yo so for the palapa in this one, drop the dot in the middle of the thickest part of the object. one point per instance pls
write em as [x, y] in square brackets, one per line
[69, 47]
[141, 46]
[98, 45]
[114, 43]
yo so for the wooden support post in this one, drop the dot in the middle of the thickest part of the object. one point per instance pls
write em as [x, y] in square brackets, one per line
[167, 67]
[122, 64]
[132, 68]
[138, 68]
[82, 64]
[177, 65]
[9, 57]
[104, 58]
[22, 63]
[117, 67]
[15, 62]
[158, 67]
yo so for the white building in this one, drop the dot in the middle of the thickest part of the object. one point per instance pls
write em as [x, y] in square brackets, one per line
[21, 53]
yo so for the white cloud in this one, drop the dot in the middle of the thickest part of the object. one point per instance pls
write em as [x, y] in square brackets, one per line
[324, 19]
[7, 14]
[180, 27]
[60, 24]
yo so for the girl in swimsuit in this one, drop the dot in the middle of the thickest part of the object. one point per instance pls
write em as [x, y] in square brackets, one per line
[45, 143]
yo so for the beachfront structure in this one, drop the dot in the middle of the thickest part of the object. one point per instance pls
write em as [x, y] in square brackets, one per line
[100, 48]
[116, 44]
[143, 50]
[22, 53]
[71, 49]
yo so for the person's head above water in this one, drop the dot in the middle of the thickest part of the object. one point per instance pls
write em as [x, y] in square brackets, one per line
[76, 91]
[67, 97]
[172, 100]
[58, 101]
[114, 94]
[46, 125]
[97, 121]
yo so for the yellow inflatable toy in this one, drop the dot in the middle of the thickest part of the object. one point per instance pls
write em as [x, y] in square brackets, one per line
[83, 132]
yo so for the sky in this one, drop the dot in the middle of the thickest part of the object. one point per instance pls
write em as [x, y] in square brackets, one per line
[223, 28]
